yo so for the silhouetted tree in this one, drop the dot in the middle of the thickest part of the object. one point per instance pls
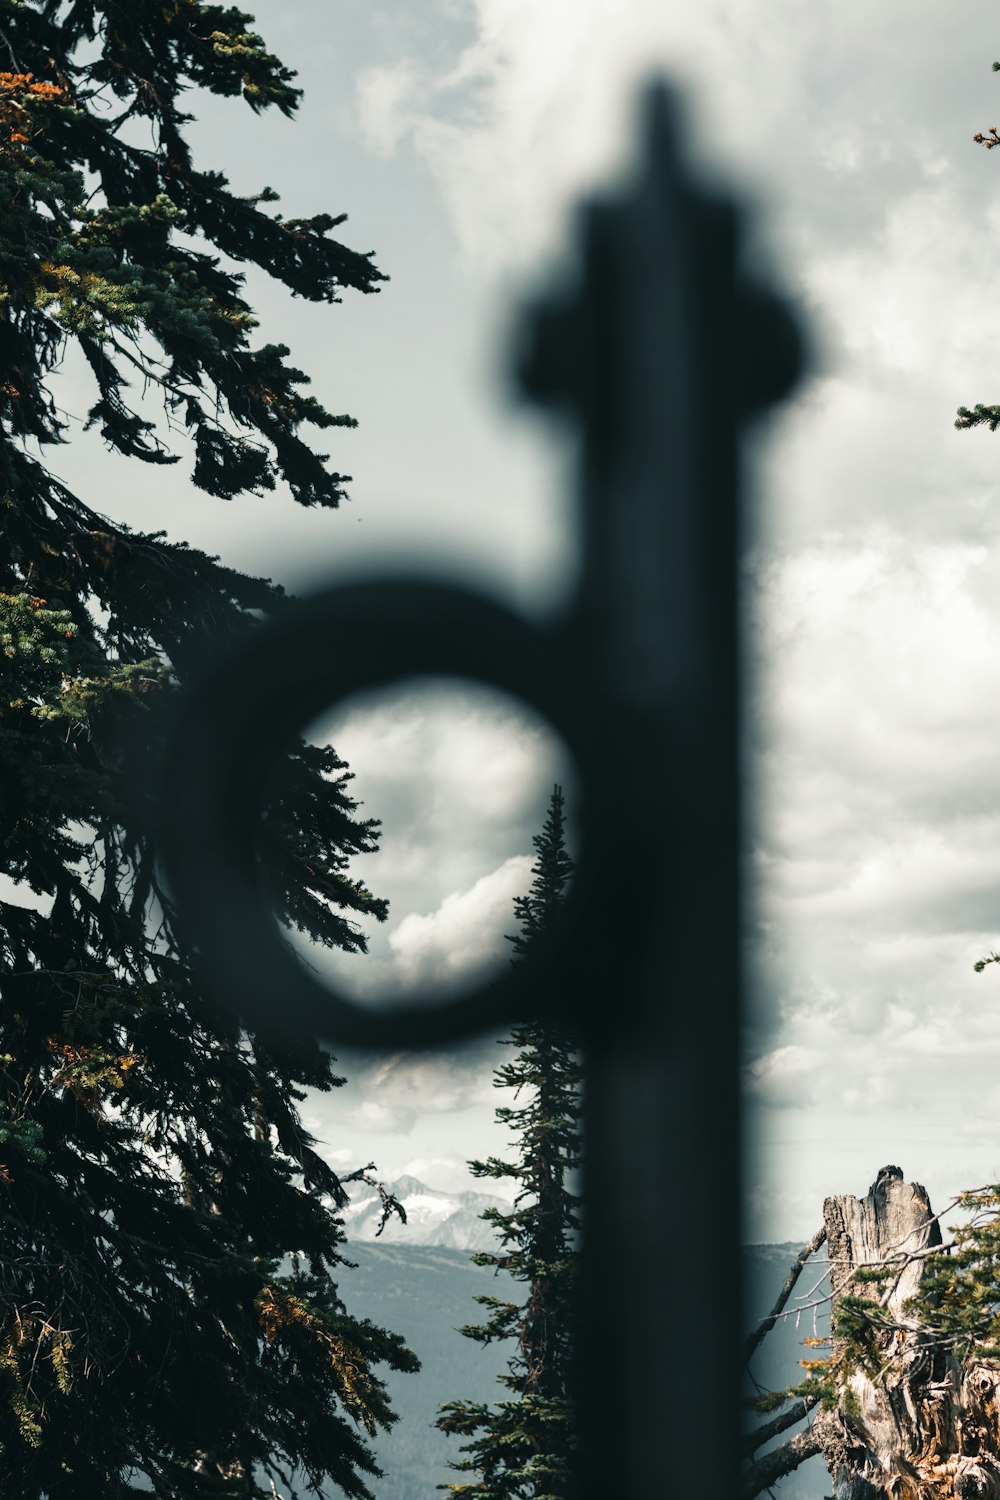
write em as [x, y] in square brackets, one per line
[525, 1446]
[154, 1172]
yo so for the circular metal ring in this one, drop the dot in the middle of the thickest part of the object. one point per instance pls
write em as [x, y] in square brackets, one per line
[241, 716]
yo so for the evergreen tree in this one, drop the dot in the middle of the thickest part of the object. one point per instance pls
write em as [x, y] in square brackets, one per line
[524, 1447]
[154, 1172]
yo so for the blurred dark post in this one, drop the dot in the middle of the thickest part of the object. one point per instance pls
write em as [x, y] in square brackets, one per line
[660, 351]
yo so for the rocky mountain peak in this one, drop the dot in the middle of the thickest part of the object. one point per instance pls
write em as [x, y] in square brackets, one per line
[433, 1217]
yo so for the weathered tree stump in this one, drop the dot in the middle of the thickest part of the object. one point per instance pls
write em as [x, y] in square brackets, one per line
[920, 1423]
[927, 1427]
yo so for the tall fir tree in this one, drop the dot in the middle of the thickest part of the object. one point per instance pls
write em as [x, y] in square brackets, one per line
[524, 1447]
[154, 1171]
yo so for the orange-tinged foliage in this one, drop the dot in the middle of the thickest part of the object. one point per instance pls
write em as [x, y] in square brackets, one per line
[86, 1071]
[15, 88]
[22, 83]
[282, 1313]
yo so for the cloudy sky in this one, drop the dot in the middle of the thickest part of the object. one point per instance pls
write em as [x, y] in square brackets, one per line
[456, 135]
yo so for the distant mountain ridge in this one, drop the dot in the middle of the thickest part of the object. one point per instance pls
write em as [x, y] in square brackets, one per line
[432, 1217]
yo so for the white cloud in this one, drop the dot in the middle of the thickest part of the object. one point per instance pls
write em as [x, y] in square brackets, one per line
[529, 111]
[427, 1083]
[874, 723]
[779, 1075]
[403, 1108]
[464, 934]
[462, 750]
[386, 98]
[460, 777]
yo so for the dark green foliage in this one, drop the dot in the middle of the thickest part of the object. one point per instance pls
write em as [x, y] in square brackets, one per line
[154, 1172]
[959, 1292]
[524, 1447]
[979, 416]
[552, 870]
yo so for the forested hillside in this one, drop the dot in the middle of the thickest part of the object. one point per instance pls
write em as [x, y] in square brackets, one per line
[428, 1290]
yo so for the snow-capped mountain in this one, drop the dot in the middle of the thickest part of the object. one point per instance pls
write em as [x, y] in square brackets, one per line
[432, 1217]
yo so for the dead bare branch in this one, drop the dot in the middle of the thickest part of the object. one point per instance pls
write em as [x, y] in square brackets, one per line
[780, 1461]
[766, 1324]
[785, 1419]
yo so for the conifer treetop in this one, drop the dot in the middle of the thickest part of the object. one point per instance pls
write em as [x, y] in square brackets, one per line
[551, 874]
